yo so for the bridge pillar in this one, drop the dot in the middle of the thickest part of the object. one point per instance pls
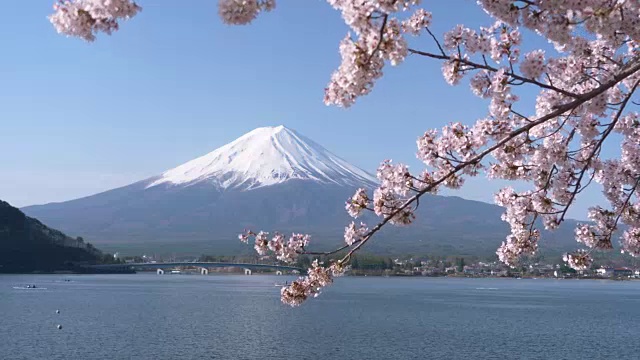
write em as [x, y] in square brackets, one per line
[278, 272]
[160, 272]
[204, 271]
[247, 271]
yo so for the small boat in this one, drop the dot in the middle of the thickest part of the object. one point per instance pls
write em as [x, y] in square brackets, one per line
[29, 287]
[286, 283]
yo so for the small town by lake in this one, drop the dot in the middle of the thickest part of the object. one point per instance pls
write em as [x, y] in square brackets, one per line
[372, 265]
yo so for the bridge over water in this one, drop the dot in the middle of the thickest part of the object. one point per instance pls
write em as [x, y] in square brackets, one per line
[204, 266]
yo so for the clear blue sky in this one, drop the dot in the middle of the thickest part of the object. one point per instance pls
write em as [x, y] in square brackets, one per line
[175, 83]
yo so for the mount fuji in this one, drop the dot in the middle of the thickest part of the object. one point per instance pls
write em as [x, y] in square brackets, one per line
[271, 178]
[263, 157]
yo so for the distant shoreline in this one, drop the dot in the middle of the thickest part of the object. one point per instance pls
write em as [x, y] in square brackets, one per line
[500, 277]
[346, 275]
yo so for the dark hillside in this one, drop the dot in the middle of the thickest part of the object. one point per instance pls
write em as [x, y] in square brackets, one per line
[27, 245]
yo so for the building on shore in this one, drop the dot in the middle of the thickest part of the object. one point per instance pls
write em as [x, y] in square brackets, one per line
[622, 272]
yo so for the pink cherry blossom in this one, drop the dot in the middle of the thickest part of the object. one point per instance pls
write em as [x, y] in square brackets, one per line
[358, 202]
[261, 243]
[354, 234]
[286, 251]
[415, 24]
[242, 12]
[310, 285]
[85, 18]
[631, 242]
[533, 64]
[578, 260]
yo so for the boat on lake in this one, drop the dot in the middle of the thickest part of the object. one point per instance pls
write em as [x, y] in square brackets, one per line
[29, 287]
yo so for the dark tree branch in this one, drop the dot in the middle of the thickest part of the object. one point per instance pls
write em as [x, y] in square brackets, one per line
[491, 68]
[597, 148]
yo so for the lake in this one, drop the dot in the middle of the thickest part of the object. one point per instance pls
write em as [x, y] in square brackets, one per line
[147, 316]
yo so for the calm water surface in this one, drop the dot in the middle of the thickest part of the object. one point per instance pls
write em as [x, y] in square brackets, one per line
[240, 317]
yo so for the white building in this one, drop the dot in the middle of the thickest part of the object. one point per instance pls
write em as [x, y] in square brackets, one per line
[604, 272]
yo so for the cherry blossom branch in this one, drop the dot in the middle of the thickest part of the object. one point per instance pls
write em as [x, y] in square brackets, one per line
[631, 68]
[626, 202]
[305, 252]
[491, 68]
[435, 39]
[597, 147]
[385, 17]
[628, 199]
[603, 241]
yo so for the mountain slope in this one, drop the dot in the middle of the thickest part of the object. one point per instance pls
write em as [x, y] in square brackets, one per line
[197, 213]
[28, 245]
[270, 179]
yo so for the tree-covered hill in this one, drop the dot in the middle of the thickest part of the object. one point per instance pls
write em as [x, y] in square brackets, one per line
[27, 245]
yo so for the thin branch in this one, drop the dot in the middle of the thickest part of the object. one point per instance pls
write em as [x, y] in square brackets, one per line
[626, 202]
[491, 68]
[436, 41]
[382, 27]
[597, 148]
[606, 238]
[329, 252]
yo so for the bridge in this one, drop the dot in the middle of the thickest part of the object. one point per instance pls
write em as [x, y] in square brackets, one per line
[204, 266]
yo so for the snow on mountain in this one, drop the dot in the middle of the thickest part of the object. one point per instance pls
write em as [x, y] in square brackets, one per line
[263, 157]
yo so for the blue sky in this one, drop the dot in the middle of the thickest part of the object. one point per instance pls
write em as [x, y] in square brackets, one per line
[175, 83]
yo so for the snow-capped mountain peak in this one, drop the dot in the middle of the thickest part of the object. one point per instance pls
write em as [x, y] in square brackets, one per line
[266, 156]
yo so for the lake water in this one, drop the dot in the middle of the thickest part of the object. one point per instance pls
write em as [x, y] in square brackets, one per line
[145, 316]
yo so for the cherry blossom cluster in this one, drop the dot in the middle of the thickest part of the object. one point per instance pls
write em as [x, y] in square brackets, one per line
[318, 276]
[533, 65]
[284, 250]
[578, 260]
[376, 37]
[85, 18]
[311, 285]
[443, 151]
[391, 197]
[354, 234]
[598, 235]
[358, 202]
[563, 22]
[417, 22]
[631, 242]
[242, 12]
[520, 215]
